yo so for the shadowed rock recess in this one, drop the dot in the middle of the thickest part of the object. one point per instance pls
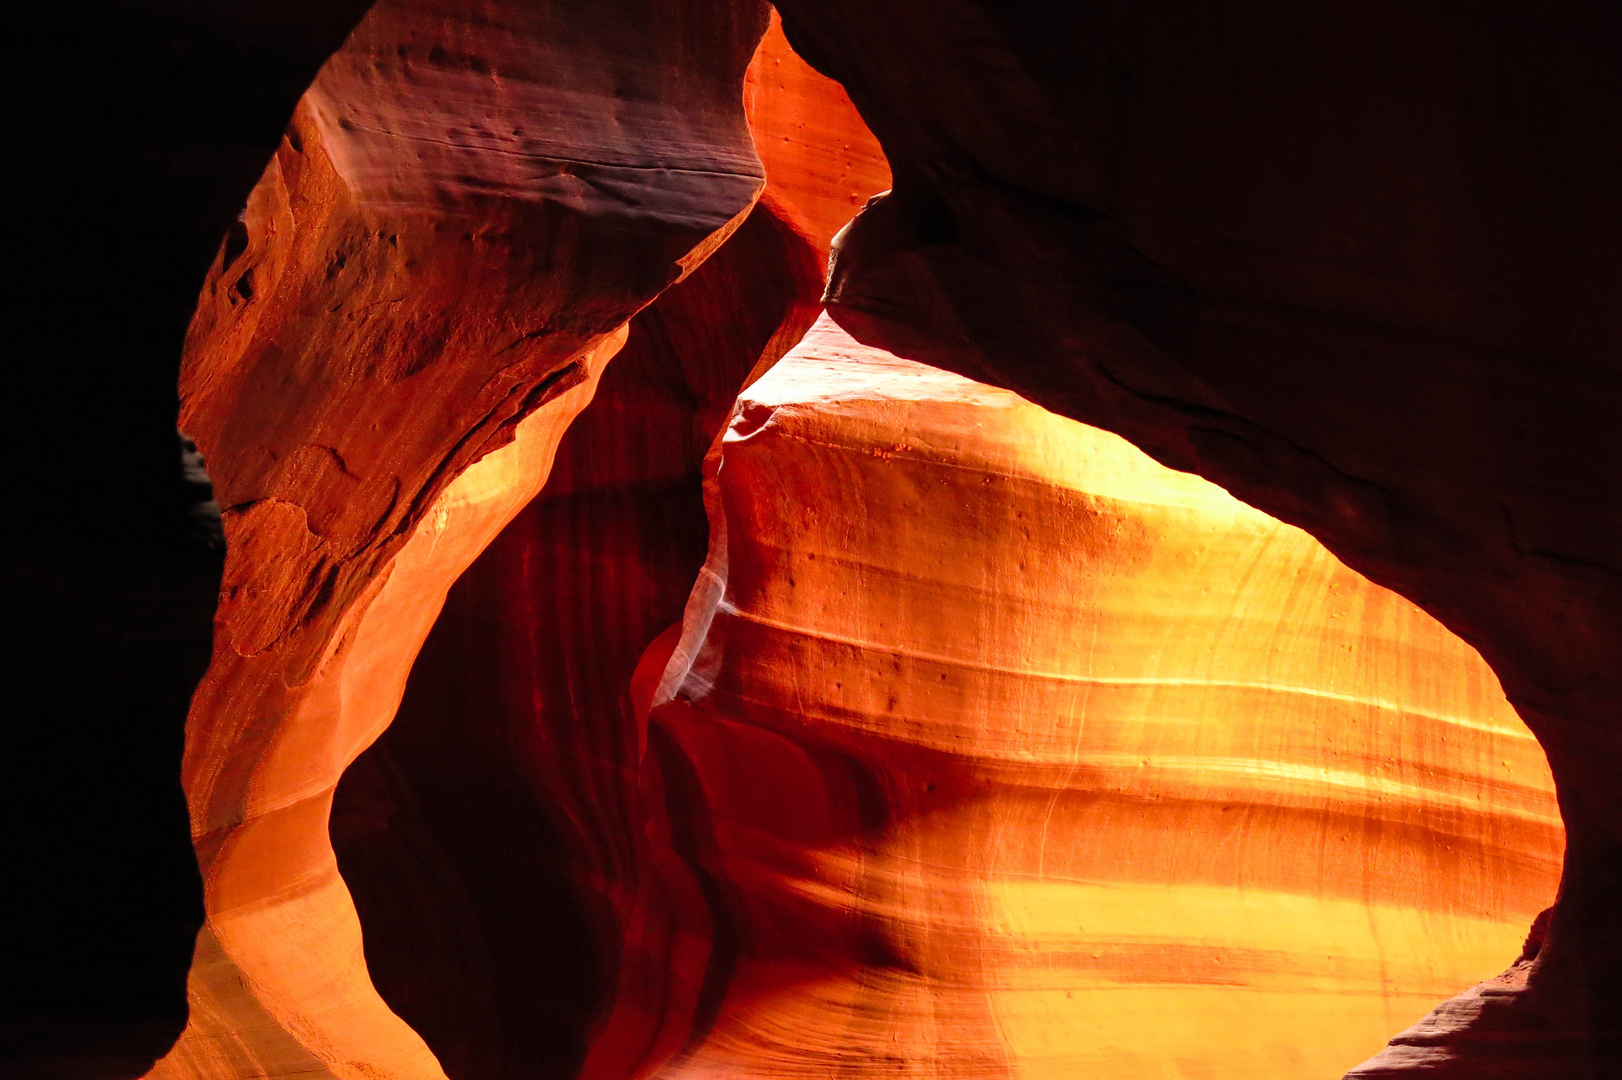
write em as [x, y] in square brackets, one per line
[1135, 593]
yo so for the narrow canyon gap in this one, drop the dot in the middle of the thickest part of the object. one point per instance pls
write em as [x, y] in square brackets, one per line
[471, 215]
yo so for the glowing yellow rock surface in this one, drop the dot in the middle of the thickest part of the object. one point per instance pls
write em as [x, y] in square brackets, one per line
[1022, 755]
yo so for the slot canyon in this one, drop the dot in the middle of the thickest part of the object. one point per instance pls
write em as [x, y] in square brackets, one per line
[952, 540]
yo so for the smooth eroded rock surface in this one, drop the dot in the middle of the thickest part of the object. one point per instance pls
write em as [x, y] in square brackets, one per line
[470, 203]
[496, 836]
[822, 164]
[1011, 752]
[984, 744]
[1357, 265]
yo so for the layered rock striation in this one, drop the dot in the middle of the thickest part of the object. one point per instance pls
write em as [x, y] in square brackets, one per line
[494, 836]
[469, 205]
[1359, 267]
[983, 744]
[499, 828]
[1012, 752]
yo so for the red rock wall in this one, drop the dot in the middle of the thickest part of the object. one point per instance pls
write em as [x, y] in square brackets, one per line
[494, 836]
[509, 784]
[470, 215]
[821, 162]
[1015, 753]
[1357, 265]
[469, 206]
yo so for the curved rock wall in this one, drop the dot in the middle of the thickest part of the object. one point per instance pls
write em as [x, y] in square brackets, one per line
[1016, 753]
[1357, 265]
[498, 828]
[878, 805]
[493, 837]
[822, 164]
[471, 202]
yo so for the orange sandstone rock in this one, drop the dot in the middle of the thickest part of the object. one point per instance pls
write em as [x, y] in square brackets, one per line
[822, 164]
[993, 747]
[498, 828]
[1314, 255]
[985, 746]
[470, 204]
[494, 837]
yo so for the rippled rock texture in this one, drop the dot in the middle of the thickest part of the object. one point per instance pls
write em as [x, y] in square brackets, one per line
[909, 727]
[1316, 256]
[470, 204]
[1015, 753]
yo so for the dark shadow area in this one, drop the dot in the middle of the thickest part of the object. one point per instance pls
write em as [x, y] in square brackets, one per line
[103, 646]
[136, 129]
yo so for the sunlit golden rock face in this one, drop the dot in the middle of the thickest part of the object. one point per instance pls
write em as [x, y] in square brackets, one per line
[1275, 245]
[986, 746]
[1006, 751]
